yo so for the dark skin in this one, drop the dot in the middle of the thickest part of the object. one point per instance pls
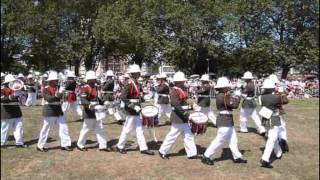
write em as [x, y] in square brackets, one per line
[205, 83]
[70, 78]
[92, 82]
[179, 83]
[53, 83]
[162, 81]
[224, 90]
[30, 80]
[135, 75]
[109, 77]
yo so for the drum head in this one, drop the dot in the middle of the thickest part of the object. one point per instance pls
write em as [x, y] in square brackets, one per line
[99, 107]
[147, 97]
[149, 111]
[198, 117]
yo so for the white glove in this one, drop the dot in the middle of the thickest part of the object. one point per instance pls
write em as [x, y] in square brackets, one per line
[122, 105]
[280, 89]
[107, 103]
[237, 93]
[92, 105]
[137, 108]
[61, 89]
[57, 94]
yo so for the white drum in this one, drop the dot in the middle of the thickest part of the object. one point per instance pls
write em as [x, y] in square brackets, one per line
[100, 112]
[117, 115]
[198, 122]
[150, 116]
[110, 111]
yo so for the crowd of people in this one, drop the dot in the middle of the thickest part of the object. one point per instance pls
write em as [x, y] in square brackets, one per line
[136, 103]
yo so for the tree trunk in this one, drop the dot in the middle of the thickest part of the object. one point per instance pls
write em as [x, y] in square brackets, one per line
[285, 71]
[88, 62]
[76, 67]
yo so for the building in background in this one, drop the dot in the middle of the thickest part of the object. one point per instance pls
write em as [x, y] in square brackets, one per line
[118, 63]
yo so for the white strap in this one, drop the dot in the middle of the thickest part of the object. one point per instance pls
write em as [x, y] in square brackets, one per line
[183, 107]
[259, 100]
[165, 95]
[203, 95]
[225, 112]
[248, 98]
[52, 103]
[134, 100]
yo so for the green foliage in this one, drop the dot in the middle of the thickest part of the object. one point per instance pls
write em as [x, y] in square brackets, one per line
[234, 36]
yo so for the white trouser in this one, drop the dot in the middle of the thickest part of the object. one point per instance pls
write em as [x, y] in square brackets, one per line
[283, 129]
[245, 113]
[188, 139]
[209, 113]
[66, 106]
[63, 131]
[132, 122]
[164, 108]
[224, 133]
[16, 125]
[43, 102]
[97, 127]
[32, 99]
[272, 144]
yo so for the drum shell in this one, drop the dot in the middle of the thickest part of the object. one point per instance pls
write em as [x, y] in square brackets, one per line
[198, 128]
[150, 121]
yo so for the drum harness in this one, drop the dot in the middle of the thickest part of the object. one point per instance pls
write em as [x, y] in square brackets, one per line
[267, 122]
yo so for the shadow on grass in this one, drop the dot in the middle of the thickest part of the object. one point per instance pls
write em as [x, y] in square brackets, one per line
[75, 121]
[112, 142]
[273, 156]
[211, 125]
[35, 141]
[182, 152]
[227, 154]
[152, 145]
[120, 123]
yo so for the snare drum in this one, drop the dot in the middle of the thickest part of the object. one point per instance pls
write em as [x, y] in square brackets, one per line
[150, 116]
[198, 122]
[100, 112]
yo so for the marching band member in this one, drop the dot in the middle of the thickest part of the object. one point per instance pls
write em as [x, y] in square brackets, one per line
[271, 102]
[283, 139]
[225, 103]
[179, 120]
[31, 87]
[162, 96]
[203, 101]
[11, 115]
[70, 97]
[118, 89]
[22, 93]
[21, 77]
[132, 97]
[89, 98]
[44, 83]
[249, 105]
[108, 87]
[53, 115]
[108, 91]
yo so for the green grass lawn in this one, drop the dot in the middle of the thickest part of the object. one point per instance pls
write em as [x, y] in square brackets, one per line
[302, 162]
